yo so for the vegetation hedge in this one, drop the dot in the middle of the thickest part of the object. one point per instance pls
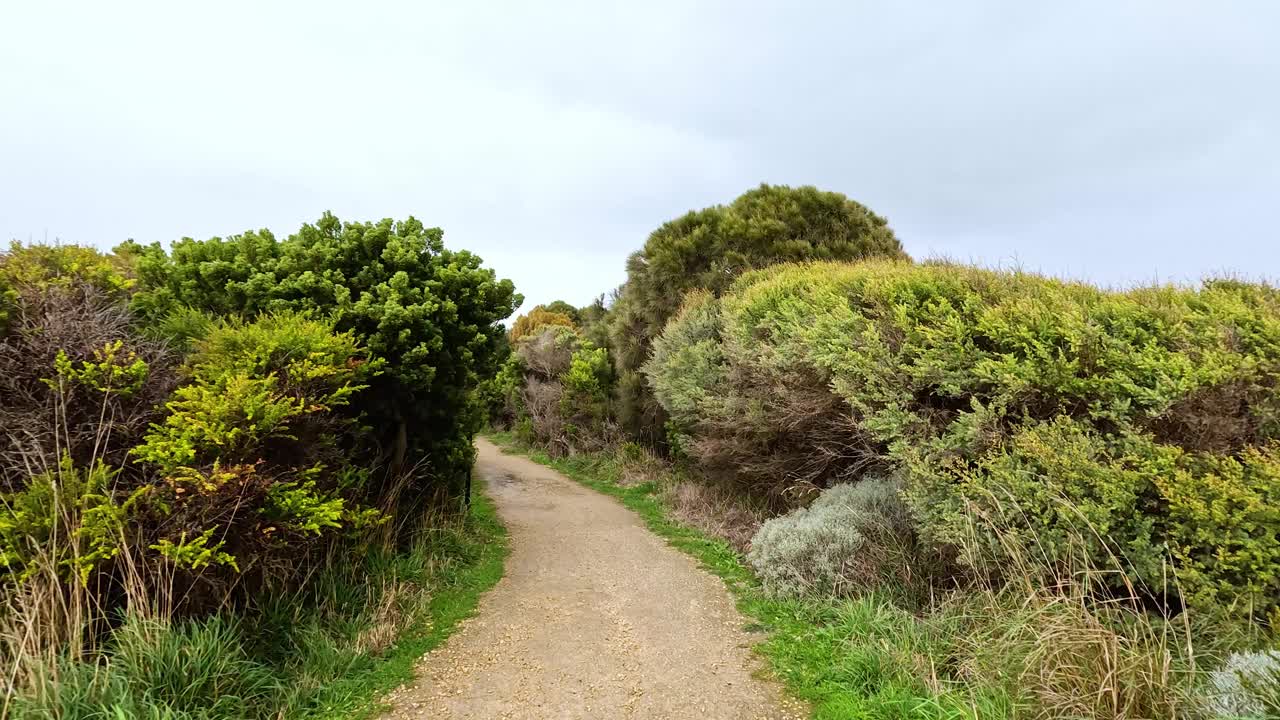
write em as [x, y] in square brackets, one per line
[1136, 429]
[431, 313]
[707, 249]
[198, 430]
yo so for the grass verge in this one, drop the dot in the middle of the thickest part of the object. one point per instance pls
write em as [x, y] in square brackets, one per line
[330, 651]
[472, 564]
[859, 658]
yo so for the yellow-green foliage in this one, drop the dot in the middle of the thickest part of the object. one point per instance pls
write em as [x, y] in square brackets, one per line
[195, 553]
[7, 297]
[66, 518]
[258, 429]
[533, 321]
[1138, 426]
[226, 414]
[41, 266]
[112, 370]
[585, 400]
[36, 268]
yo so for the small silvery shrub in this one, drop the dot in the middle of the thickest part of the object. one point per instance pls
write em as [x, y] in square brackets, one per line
[854, 537]
[1246, 686]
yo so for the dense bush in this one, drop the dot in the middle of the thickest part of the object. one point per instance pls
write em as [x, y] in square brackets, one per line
[536, 319]
[251, 454]
[429, 312]
[548, 353]
[707, 249]
[74, 369]
[1130, 428]
[554, 390]
[194, 431]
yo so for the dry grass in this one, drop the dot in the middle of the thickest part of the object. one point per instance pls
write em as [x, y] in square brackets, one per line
[714, 511]
[388, 619]
[1061, 656]
[1066, 644]
[640, 464]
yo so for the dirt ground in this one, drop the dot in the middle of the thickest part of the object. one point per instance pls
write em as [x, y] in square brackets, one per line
[596, 617]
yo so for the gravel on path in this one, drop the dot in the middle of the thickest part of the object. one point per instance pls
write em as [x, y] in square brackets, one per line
[596, 617]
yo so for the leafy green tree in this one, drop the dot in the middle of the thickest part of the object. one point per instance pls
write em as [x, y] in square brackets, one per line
[430, 313]
[708, 249]
[593, 322]
[223, 276]
[564, 308]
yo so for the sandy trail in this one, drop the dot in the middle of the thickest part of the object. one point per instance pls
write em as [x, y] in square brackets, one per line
[596, 617]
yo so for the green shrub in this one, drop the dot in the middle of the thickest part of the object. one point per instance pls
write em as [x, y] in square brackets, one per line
[554, 390]
[708, 249]
[77, 378]
[548, 353]
[768, 420]
[252, 453]
[430, 313]
[585, 401]
[137, 480]
[1223, 515]
[1135, 428]
[686, 369]
[7, 298]
[67, 519]
[853, 539]
[500, 395]
[183, 326]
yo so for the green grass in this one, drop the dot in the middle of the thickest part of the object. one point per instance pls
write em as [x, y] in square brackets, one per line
[479, 553]
[329, 651]
[859, 658]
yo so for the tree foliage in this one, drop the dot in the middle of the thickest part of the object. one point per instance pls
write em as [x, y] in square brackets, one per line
[431, 313]
[707, 249]
[564, 308]
[1119, 430]
[532, 322]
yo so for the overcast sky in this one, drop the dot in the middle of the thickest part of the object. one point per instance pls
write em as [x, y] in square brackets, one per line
[1115, 141]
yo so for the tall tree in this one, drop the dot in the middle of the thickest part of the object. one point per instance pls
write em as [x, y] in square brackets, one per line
[708, 249]
[430, 312]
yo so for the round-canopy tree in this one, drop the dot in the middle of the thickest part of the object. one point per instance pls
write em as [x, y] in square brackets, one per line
[707, 249]
[431, 313]
[532, 322]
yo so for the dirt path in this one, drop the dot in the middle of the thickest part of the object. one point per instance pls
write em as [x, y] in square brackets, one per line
[595, 618]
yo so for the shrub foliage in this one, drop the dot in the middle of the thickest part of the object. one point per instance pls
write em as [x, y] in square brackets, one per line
[707, 249]
[429, 312]
[193, 430]
[1137, 427]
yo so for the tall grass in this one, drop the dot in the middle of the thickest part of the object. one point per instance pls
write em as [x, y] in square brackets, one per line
[325, 650]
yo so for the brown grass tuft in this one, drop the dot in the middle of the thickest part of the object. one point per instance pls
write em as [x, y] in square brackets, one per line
[714, 511]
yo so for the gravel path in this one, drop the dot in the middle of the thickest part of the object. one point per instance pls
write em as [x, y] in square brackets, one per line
[596, 617]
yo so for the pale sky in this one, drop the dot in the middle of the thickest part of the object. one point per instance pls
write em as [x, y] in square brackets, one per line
[1116, 141]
